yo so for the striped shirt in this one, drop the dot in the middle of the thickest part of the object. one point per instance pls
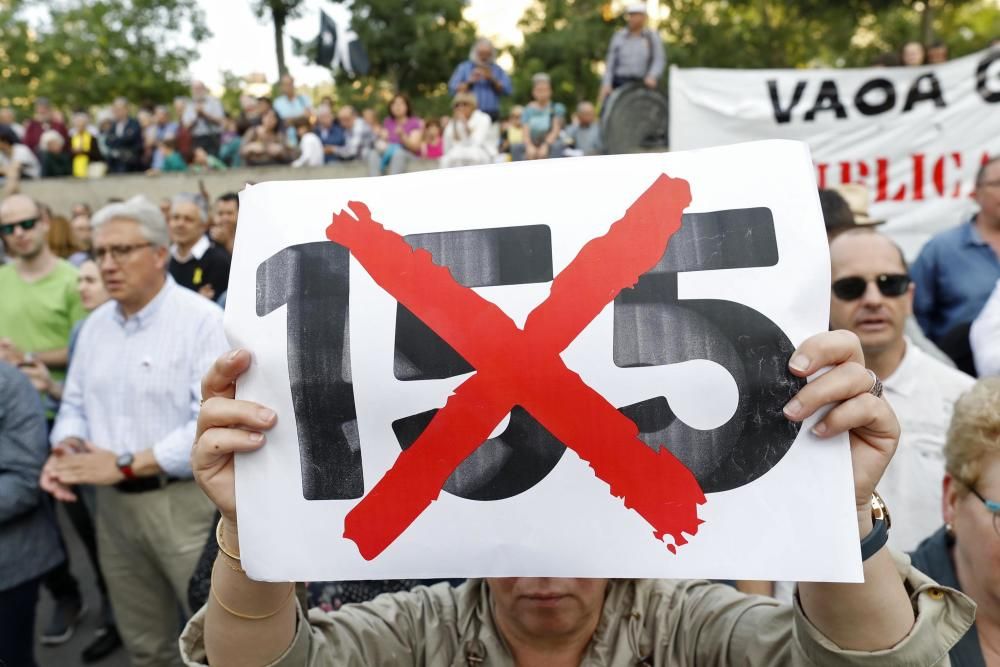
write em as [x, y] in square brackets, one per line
[135, 383]
[632, 56]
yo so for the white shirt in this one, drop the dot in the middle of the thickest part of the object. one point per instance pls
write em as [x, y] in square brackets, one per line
[312, 151]
[30, 166]
[135, 383]
[923, 392]
[984, 337]
[198, 250]
[473, 134]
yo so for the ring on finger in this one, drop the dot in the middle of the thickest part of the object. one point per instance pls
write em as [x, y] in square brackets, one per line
[876, 388]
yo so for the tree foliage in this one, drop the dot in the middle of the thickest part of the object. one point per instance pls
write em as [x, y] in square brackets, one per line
[800, 33]
[82, 53]
[567, 39]
[413, 48]
[279, 12]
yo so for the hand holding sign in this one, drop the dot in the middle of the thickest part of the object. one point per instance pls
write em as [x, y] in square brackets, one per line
[538, 390]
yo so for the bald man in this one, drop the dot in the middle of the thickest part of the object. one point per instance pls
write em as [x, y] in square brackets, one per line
[872, 295]
[40, 302]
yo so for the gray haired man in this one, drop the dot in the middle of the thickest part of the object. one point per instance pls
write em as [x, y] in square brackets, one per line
[126, 424]
[634, 54]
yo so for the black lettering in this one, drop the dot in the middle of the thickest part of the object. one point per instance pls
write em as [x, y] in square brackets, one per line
[784, 115]
[313, 280]
[745, 342]
[916, 93]
[888, 97]
[828, 99]
[982, 78]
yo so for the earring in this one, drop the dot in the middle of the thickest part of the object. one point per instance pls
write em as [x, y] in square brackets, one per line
[948, 529]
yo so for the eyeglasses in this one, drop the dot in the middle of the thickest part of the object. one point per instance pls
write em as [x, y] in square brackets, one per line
[992, 506]
[117, 252]
[889, 284]
[9, 228]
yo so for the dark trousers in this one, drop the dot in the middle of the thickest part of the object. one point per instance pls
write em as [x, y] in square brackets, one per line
[17, 624]
[60, 582]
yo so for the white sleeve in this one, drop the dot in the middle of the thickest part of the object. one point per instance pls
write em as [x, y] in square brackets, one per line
[984, 337]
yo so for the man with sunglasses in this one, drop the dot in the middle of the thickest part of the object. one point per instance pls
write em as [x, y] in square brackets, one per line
[39, 304]
[957, 269]
[872, 295]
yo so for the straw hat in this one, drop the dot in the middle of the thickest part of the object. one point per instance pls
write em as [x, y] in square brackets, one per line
[468, 98]
[856, 196]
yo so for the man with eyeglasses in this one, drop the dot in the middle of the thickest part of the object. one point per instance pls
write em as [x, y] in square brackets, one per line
[872, 295]
[958, 269]
[126, 424]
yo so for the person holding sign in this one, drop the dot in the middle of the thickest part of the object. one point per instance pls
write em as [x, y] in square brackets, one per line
[897, 617]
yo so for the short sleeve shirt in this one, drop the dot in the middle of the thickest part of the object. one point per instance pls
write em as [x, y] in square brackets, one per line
[290, 108]
[40, 315]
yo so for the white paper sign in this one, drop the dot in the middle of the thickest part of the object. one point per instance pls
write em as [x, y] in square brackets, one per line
[914, 135]
[637, 436]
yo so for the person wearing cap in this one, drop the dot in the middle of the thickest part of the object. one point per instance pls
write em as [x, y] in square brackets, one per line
[635, 54]
[467, 137]
[126, 424]
[872, 295]
[481, 76]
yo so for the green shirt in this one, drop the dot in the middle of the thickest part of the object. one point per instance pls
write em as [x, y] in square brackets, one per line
[174, 162]
[38, 316]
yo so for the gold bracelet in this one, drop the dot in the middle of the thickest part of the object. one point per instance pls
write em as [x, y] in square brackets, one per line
[248, 617]
[222, 544]
[234, 568]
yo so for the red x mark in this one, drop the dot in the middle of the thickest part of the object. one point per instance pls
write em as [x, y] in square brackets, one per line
[515, 366]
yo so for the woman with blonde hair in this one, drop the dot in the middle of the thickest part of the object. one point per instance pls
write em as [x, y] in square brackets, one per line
[965, 553]
[60, 238]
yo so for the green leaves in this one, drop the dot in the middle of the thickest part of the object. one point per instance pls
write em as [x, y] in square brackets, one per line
[87, 52]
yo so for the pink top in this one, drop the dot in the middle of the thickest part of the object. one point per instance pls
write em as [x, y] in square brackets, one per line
[434, 150]
[409, 125]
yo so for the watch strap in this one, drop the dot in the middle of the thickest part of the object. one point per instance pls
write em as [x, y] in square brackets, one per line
[875, 540]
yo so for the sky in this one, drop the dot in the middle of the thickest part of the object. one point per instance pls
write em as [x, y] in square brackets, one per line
[244, 44]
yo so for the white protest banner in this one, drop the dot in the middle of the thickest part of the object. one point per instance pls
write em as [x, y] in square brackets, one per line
[637, 436]
[914, 135]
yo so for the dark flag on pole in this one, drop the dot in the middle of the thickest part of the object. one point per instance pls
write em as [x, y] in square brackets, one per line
[338, 45]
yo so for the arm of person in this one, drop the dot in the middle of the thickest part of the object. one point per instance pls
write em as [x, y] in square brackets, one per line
[984, 337]
[413, 140]
[459, 81]
[22, 445]
[924, 275]
[352, 145]
[659, 61]
[12, 180]
[557, 125]
[501, 81]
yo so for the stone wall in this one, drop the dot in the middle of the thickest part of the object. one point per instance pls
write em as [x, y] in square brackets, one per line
[61, 193]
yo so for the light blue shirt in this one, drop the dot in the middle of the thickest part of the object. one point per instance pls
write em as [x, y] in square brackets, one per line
[954, 276]
[135, 383]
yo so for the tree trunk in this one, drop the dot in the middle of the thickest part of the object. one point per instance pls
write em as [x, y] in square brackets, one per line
[927, 24]
[279, 43]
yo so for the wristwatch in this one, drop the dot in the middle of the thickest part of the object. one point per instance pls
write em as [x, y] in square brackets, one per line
[881, 522]
[124, 463]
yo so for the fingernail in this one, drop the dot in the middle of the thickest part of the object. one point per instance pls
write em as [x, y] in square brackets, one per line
[819, 429]
[235, 353]
[793, 408]
[265, 414]
[799, 362]
[256, 437]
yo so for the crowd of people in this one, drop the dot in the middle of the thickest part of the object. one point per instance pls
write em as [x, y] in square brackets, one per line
[113, 361]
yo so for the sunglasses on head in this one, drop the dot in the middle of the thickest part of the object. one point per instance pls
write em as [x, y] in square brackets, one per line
[889, 284]
[8, 229]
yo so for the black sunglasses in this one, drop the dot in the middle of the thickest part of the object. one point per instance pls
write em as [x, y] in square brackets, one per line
[889, 284]
[8, 229]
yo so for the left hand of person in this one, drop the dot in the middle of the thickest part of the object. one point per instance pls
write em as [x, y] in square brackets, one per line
[650, 82]
[92, 466]
[39, 375]
[207, 291]
[869, 421]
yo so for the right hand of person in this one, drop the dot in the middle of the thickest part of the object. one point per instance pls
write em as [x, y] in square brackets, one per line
[226, 426]
[605, 91]
[49, 481]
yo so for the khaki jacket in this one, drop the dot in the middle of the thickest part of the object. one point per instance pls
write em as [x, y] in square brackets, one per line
[660, 623]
